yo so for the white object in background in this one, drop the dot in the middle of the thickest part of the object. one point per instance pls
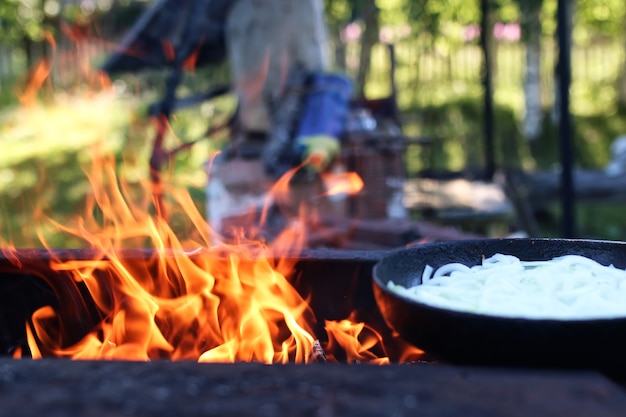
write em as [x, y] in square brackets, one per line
[235, 188]
[395, 205]
[617, 163]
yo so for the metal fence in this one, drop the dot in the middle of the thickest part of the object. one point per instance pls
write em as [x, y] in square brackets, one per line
[426, 74]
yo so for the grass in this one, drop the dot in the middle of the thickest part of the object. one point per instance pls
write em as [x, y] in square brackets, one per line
[48, 148]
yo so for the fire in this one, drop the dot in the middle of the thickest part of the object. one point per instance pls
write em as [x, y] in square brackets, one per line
[191, 300]
[342, 183]
[38, 76]
[362, 343]
[345, 333]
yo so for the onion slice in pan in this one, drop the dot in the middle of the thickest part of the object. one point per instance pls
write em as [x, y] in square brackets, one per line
[564, 288]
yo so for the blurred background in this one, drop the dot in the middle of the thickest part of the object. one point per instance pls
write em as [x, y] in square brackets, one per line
[55, 104]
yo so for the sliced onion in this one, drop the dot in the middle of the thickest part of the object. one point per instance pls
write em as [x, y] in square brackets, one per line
[566, 287]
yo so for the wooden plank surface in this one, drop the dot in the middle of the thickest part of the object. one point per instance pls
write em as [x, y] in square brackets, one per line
[457, 198]
[589, 185]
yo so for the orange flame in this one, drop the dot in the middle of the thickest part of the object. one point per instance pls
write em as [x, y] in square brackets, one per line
[190, 300]
[349, 183]
[361, 343]
[38, 76]
[183, 305]
[346, 334]
[190, 62]
[168, 50]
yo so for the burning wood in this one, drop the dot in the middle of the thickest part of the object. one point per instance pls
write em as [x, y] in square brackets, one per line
[317, 352]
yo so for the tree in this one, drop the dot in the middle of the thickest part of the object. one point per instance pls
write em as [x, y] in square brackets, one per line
[621, 89]
[369, 12]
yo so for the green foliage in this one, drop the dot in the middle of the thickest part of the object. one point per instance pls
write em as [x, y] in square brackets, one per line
[46, 148]
[456, 127]
[432, 17]
[510, 11]
[338, 13]
[20, 18]
[604, 17]
[31, 19]
[8, 19]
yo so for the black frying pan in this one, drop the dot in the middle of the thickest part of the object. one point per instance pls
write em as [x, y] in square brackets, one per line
[475, 339]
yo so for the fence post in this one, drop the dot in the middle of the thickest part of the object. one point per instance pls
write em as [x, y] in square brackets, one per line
[486, 33]
[565, 124]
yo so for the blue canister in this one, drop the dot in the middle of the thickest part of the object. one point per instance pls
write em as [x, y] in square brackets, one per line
[325, 106]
